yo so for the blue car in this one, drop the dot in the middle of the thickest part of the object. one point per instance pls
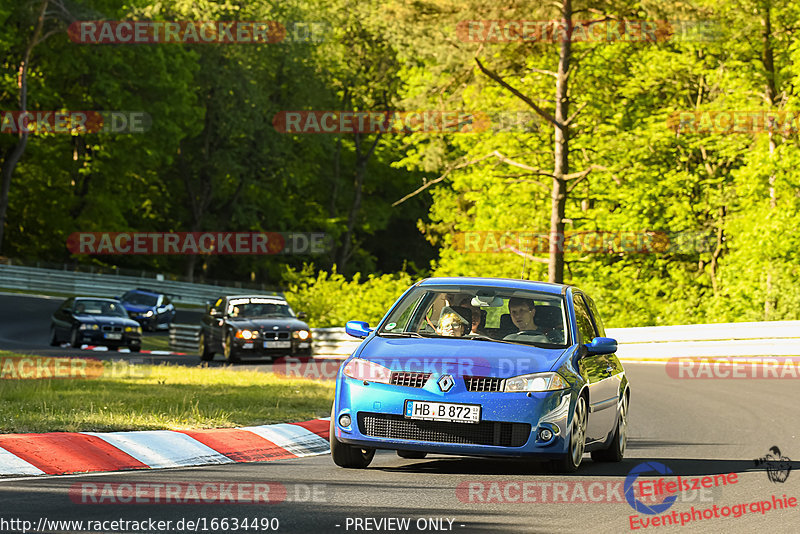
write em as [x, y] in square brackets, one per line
[483, 367]
[151, 309]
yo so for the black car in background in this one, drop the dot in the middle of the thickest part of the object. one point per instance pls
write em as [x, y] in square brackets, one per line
[95, 321]
[253, 326]
[151, 309]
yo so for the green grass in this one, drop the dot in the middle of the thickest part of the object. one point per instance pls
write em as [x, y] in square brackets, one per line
[146, 397]
[151, 342]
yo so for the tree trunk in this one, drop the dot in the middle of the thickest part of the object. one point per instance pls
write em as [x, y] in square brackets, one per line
[555, 266]
[13, 156]
[770, 95]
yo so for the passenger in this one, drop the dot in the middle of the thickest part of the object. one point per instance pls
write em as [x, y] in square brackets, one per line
[455, 321]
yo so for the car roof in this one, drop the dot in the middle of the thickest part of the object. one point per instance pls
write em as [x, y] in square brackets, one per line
[96, 298]
[512, 283]
[275, 297]
[146, 292]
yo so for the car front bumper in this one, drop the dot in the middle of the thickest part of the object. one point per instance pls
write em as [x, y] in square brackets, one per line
[509, 427]
[256, 348]
[97, 337]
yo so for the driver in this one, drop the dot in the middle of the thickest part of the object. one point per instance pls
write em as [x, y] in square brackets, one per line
[522, 313]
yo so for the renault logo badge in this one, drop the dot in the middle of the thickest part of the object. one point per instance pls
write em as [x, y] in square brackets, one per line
[446, 383]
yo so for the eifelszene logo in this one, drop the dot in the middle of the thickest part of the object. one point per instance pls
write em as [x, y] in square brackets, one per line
[777, 466]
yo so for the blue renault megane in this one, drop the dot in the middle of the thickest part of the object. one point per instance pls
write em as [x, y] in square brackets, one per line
[483, 367]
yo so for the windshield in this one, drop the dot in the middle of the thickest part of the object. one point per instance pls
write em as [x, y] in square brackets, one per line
[99, 307]
[141, 299]
[485, 313]
[254, 307]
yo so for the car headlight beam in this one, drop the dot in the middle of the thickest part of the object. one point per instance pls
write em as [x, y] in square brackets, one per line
[301, 334]
[247, 334]
[535, 382]
[149, 313]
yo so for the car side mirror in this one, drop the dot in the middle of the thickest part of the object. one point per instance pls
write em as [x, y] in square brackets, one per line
[358, 329]
[602, 345]
[302, 315]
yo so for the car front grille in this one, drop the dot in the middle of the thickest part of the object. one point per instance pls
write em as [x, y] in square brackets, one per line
[112, 328]
[496, 433]
[483, 383]
[409, 379]
[275, 335]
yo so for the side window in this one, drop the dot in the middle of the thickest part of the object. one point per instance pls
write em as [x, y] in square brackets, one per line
[217, 308]
[67, 305]
[585, 328]
[598, 322]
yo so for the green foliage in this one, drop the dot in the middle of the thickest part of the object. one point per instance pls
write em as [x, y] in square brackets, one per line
[212, 160]
[330, 299]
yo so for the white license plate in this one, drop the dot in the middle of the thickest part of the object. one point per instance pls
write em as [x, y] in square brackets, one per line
[277, 344]
[443, 411]
[113, 336]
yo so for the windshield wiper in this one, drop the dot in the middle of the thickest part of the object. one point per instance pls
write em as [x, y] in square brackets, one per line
[400, 334]
[484, 338]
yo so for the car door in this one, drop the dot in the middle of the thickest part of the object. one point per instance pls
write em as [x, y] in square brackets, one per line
[213, 323]
[62, 319]
[618, 372]
[599, 372]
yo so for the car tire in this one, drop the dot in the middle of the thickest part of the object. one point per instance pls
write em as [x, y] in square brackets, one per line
[347, 456]
[616, 450]
[53, 337]
[135, 348]
[570, 461]
[412, 455]
[228, 350]
[206, 354]
[74, 341]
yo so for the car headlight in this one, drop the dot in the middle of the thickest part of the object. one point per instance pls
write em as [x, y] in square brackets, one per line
[301, 334]
[367, 371]
[149, 313]
[133, 329]
[247, 334]
[536, 382]
[89, 327]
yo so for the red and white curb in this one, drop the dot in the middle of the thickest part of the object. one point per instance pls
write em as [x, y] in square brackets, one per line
[121, 350]
[61, 453]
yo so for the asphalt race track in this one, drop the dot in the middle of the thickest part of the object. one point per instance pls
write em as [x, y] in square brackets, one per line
[696, 428]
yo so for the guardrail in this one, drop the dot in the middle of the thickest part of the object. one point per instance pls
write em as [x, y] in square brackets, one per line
[774, 338]
[777, 338]
[327, 342]
[184, 338]
[109, 285]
